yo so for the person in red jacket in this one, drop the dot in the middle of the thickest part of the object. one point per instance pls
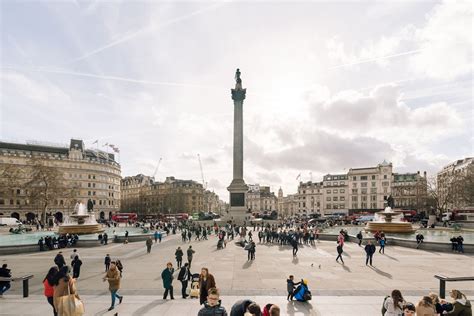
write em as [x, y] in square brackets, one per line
[49, 288]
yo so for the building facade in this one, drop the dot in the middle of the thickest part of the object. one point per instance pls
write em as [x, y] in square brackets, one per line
[335, 194]
[36, 179]
[310, 197]
[260, 199]
[369, 187]
[409, 191]
[454, 185]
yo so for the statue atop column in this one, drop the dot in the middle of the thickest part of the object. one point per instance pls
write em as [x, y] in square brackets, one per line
[238, 81]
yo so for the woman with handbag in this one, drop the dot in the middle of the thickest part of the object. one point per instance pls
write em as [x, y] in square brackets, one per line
[65, 298]
[206, 281]
[49, 287]
[113, 277]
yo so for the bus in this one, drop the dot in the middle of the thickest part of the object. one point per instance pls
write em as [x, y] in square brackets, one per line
[124, 217]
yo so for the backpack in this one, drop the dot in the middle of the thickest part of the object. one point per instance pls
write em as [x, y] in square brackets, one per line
[383, 305]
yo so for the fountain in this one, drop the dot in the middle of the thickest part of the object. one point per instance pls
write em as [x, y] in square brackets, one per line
[81, 222]
[389, 221]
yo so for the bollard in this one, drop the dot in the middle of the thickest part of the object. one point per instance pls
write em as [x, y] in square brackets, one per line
[25, 287]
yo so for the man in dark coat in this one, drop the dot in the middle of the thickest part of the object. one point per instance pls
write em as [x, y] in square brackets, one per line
[184, 276]
[76, 267]
[107, 261]
[369, 251]
[167, 276]
[4, 273]
[179, 257]
[243, 306]
[190, 254]
[59, 260]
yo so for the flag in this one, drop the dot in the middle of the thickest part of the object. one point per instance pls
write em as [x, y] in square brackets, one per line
[106, 144]
[116, 149]
[96, 142]
[298, 177]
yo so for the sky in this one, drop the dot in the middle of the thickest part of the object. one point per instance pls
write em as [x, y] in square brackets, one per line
[331, 85]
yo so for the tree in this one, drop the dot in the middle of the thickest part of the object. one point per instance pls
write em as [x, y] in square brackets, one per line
[45, 185]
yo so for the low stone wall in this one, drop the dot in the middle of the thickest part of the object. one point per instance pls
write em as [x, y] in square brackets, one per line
[11, 250]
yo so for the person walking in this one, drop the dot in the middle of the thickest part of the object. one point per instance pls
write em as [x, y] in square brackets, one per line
[59, 260]
[64, 285]
[156, 236]
[149, 243]
[107, 261]
[290, 287]
[206, 281]
[160, 236]
[179, 257]
[48, 286]
[382, 245]
[253, 248]
[212, 307]
[339, 252]
[190, 252]
[184, 276]
[113, 277]
[294, 244]
[73, 255]
[76, 267]
[369, 252]
[4, 273]
[167, 276]
[359, 237]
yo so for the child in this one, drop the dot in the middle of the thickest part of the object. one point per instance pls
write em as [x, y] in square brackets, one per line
[290, 286]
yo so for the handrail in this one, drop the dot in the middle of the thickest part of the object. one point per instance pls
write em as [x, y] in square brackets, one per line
[443, 279]
[24, 278]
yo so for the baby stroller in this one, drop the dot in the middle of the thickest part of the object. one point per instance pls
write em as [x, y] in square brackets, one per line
[194, 286]
[220, 244]
[302, 293]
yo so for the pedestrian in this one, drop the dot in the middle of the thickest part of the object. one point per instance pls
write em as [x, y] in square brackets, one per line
[382, 245]
[179, 257]
[369, 251]
[76, 267]
[189, 235]
[460, 304]
[64, 285]
[339, 253]
[393, 304]
[107, 262]
[184, 276]
[149, 243]
[73, 255]
[159, 236]
[290, 287]
[206, 281]
[212, 307]
[156, 236]
[167, 276]
[426, 307]
[119, 265]
[49, 287]
[59, 260]
[409, 309]
[190, 252]
[106, 238]
[242, 307]
[460, 242]
[359, 237]
[113, 277]
[294, 244]
[4, 273]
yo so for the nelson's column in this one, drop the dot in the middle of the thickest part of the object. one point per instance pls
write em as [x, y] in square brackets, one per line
[237, 187]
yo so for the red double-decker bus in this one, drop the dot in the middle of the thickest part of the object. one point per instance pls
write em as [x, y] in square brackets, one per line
[124, 217]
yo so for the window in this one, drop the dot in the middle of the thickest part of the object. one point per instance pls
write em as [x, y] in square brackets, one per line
[341, 183]
[335, 206]
[328, 198]
[342, 198]
[363, 178]
[328, 206]
[384, 190]
[385, 183]
[373, 197]
[373, 190]
[342, 205]
[88, 192]
[89, 185]
[334, 191]
[364, 198]
[364, 191]
[2, 201]
[328, 191]
[354, 185]
[373, 177]
[374, 184]
[334, 183]
[354, 178]
[342, 190]
[334, 198]
[354, 205]
[18, 191]
[363, 184]
[354, 191]
[354, 199]
[385, 176]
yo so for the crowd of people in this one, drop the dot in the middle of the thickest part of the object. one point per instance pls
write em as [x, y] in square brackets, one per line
[53, 242]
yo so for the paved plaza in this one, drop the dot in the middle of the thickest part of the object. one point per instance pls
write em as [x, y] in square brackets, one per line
[350, 289]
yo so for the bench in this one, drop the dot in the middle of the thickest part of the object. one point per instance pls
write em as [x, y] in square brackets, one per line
[25, 279]
[443, 279]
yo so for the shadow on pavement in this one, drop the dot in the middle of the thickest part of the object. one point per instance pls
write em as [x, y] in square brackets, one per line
[384, 274]
[148, 307]
[247, 264]
[304, 308]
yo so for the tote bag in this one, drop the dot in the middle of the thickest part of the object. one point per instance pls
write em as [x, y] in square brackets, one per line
[70, 304]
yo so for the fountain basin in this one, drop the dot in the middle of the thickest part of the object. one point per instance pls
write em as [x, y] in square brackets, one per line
[81, 229]
[393, 227]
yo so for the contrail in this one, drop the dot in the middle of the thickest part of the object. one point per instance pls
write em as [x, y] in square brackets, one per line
[149, 28]
[377, 58]
[105, 77]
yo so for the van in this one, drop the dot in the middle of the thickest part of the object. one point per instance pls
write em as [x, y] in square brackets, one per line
[9, 221]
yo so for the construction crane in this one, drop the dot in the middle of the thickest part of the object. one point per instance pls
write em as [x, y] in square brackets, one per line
[157, 166]
[204, 184]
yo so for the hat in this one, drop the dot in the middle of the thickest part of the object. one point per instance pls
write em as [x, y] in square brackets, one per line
[305, 282]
